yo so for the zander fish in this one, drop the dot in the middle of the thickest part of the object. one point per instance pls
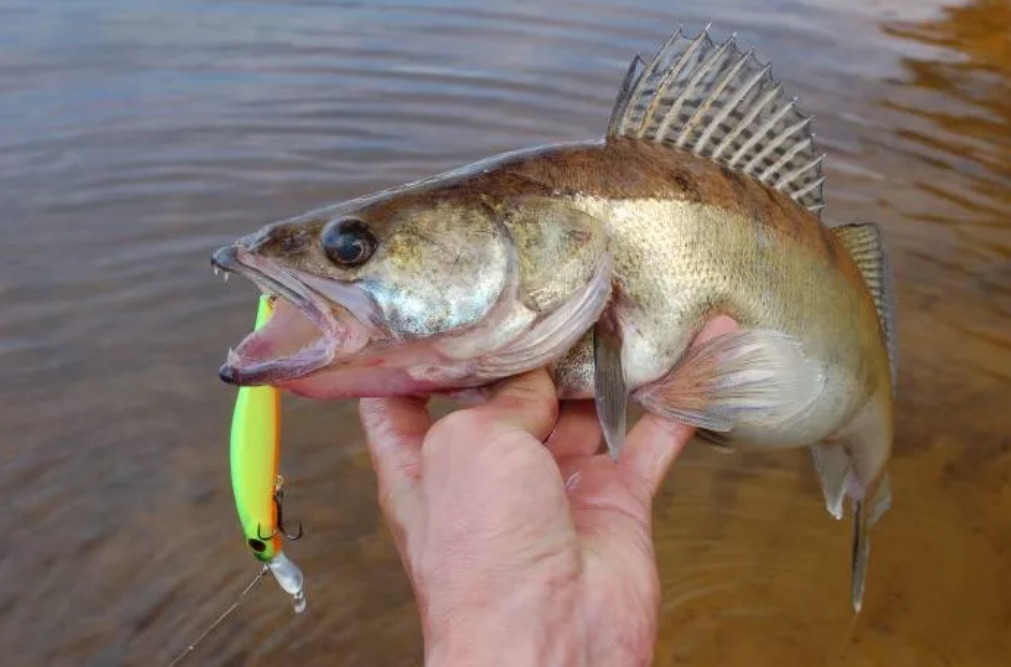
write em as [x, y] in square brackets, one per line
[602, 260]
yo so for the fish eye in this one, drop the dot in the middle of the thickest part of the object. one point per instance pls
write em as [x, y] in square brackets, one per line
[348, 242]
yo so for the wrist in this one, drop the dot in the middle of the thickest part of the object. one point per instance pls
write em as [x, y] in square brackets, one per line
[524, 630]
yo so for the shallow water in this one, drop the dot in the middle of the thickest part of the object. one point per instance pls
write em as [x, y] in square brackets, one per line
[135, 137]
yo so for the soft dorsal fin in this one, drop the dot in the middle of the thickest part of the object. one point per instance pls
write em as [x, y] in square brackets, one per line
[717, 102]
[865, 244]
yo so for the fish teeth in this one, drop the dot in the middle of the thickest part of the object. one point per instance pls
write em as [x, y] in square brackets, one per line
[216, 270]
[226, 276]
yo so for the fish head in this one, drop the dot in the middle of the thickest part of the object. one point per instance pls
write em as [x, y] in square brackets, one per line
[399, 294]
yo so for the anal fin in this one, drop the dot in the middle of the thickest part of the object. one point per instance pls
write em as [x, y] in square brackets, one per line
[761, 376]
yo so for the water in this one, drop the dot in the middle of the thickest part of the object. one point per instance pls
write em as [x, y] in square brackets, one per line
[135, 137]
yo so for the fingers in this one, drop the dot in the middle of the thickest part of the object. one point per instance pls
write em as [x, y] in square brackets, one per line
[394, 430]
[651, 447]
[528, 402]
[577, 433]
[655, 442]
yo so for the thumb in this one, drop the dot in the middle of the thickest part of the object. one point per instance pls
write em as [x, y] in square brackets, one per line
[527, 402]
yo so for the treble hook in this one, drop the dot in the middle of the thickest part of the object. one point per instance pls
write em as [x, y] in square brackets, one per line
[280, 518]
[265, 538]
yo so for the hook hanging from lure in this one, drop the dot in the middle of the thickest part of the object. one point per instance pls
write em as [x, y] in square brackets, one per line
[256, 485]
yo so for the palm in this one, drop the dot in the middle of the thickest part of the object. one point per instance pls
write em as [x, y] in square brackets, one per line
[609, 510]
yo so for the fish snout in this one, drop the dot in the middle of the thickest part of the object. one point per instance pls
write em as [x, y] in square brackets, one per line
[278, 239]
[225, 258]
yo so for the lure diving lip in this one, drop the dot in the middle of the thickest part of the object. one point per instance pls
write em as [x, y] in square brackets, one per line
[256, 485]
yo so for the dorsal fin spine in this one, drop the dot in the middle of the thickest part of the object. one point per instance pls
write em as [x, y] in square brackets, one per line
[666, 81]
[760, 134]
[807, 188]
[783, 161]
[790, 154]
[672, 112]
[722, 116]
[704, 107]
[625, 97]
[712, 100]
[752, 115]
[789, 178]
[646, 75]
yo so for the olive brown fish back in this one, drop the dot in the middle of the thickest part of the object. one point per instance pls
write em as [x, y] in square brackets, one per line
[717, 102]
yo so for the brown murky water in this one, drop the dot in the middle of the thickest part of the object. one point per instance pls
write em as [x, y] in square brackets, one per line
[137, 136]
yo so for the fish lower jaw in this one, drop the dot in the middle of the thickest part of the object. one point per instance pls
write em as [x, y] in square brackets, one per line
[291, 345]
[244, 371]
[304, 334]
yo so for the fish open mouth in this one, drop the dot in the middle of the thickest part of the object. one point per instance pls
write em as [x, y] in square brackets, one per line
[305, 333]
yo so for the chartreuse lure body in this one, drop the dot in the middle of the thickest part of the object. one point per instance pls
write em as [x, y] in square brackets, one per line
[256, 485]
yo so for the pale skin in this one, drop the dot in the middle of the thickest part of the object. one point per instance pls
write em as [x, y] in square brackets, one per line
[525, 544]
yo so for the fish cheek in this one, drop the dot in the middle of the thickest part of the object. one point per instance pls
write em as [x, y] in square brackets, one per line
[431, 277]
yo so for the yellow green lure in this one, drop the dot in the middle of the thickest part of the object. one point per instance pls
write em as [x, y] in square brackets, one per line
[256, 485]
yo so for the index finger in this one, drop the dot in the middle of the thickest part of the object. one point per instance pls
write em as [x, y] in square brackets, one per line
[653, 444]
[656, 441]
[394, 431]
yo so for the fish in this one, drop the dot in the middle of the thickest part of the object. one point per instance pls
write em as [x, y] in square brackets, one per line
[602, 260]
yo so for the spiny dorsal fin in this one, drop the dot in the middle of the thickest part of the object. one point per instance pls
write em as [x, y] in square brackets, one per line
[866, 246]
[717, 102]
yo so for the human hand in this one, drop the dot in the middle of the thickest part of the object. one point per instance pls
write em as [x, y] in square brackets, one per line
[524, 546]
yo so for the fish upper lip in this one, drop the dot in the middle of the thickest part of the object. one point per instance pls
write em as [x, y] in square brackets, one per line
[274, 280]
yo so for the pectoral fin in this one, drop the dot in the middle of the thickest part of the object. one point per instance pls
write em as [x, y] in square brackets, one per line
[719, 442]
[610, 390]
[759, 375]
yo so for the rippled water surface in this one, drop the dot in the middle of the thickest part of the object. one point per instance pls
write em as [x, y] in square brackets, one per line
[136, 136]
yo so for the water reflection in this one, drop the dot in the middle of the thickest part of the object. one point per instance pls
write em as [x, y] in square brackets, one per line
[130, 149]
[969, 133]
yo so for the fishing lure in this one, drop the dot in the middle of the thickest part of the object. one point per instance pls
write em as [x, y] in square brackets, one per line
[254, 453]
[256, 485]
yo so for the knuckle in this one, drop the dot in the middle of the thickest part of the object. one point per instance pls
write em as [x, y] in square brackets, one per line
[530, 398]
